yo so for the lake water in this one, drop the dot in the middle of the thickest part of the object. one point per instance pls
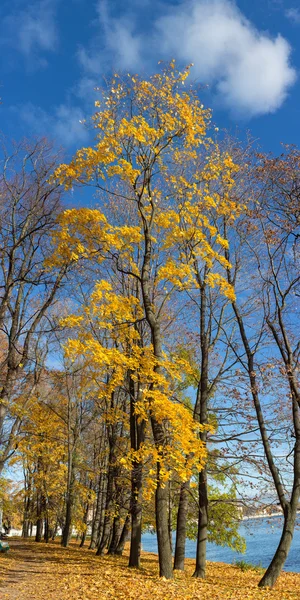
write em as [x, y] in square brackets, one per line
[262, 537]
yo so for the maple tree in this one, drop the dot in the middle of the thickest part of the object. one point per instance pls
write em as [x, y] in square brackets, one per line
[153, 137]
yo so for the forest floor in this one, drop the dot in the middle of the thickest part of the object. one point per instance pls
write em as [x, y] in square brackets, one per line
[33, 571]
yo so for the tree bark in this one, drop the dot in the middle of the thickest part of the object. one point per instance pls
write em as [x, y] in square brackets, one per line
[137, 436]
[181, 526]
[162, 529]
[123, 537]
[136, 515]
[200, 414]
[107, 525]
[97, 517]
[200, 570]
[116, 532]
[274, 569]
[161, 493]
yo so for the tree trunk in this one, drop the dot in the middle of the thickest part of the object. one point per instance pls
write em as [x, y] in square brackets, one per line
[97, 517]
[200, 414]
[116, 532]
[123, 537]
[25, 529]
[202, 527]
[39, 522]
[280, 556]
[107, 526]
[46, 530]
[181, 526]
[27, 510]
[137, 437]
[136, 515]
[85, 520]
[162, 517]
[68, 520]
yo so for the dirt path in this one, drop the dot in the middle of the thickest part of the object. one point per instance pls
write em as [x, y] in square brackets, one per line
[19, 567]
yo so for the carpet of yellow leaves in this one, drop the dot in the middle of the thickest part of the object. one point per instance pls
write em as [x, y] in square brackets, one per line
[48, 572]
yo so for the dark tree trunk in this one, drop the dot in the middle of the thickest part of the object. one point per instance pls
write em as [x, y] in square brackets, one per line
[181, 526]
[162, 529]
[39, 522]
[83, 536]
[200, 414]
[158, 429]
[116, 532]
[27, 510]
[162, 511]
[85, 519]
[123, 537]
[68, 522]
[102, 513]
[39, 530]
[46, 530]
[97, 516]
[25, 529]
[274, 569]
[202, 527]
[137, 436]
[107, 525]
[136, 515]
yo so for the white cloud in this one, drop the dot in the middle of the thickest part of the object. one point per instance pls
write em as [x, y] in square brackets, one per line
[32, 30]
[293, 14]
[118, 44]
[249, 70]
[65, 124]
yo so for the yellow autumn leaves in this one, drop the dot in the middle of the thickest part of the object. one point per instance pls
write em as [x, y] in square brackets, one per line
[167, 190]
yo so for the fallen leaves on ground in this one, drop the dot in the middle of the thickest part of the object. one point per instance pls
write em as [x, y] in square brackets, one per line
[46, 572]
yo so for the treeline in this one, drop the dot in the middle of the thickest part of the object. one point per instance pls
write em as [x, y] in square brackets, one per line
[150, 347]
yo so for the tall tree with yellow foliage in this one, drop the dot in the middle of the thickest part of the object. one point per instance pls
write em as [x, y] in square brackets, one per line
[154, 154]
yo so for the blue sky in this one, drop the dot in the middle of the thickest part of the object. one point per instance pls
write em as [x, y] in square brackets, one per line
[54, 52]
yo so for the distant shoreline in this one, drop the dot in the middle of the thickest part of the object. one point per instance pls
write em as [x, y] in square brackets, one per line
[261, 516]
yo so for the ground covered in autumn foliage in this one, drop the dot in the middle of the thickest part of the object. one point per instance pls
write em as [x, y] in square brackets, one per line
[39, 571]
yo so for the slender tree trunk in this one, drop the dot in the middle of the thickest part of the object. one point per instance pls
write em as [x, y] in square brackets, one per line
[39, 522]
[200, 569]
[201, 415]
[136, 515]
[46, 530]
[116, 532]
[67, 530]
[67, 526]
[181, 526]
[137, 436]
[25, 529]
[123, 537]
[27, 510]
[85, 519]
[162, 529]
[161, 494]
[102, 513]
[107, 525]
[97, 516]
[274, 569]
